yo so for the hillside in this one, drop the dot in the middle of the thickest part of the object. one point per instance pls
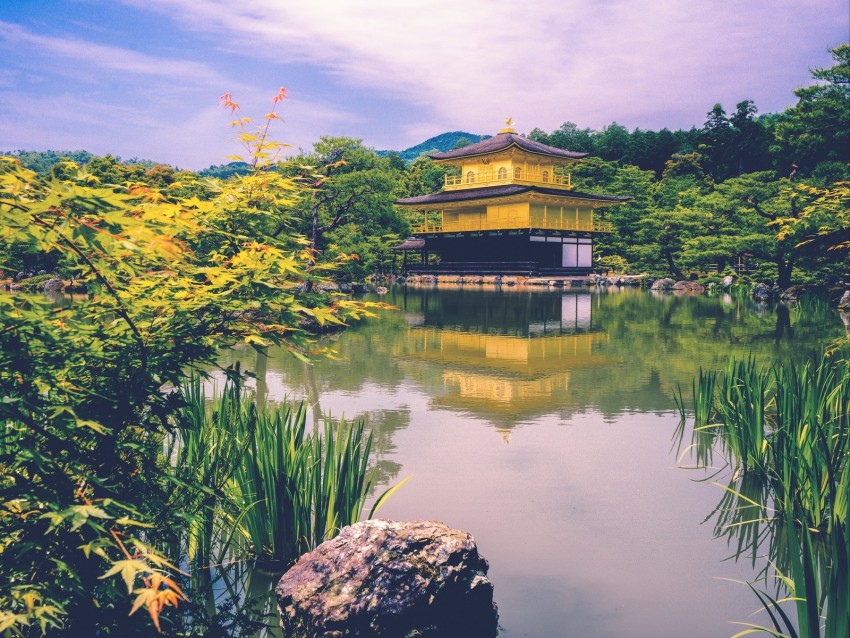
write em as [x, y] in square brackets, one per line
[437, 144]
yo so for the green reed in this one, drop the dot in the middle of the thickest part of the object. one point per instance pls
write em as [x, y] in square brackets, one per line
[261, 484]
[297, 489]
[741, 291]
[813, 306]
[785, 431]
[743, 403]
[204, 457]
[704, 416]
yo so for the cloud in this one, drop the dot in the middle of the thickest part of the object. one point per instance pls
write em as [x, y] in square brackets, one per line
[393, 72]
[65, 51]
[589, 61]
[194, 138]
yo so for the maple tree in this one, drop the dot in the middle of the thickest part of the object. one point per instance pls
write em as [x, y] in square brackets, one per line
[87, 387]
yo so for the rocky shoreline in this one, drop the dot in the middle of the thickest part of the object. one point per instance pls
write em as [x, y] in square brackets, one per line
[41, 281]
[52, 283]
[759, 292]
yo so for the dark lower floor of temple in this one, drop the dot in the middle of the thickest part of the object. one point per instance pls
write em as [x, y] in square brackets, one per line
[521, 252]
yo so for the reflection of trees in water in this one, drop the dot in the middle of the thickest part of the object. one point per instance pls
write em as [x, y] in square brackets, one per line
[703, 331]
[383, 424]
[233, 599]
[783, 324]
[645, 346]
[648, 394]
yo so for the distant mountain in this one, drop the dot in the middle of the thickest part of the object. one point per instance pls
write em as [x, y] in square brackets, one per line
[437, 144]
[43, 161]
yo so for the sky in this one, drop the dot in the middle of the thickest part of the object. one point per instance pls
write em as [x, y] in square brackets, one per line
[142, 78]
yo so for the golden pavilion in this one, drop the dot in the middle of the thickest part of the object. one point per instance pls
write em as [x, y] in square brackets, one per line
[509, 208]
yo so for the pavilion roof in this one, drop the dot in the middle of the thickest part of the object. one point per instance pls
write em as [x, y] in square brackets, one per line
[503, 141]
[411, 243]
[488, 192]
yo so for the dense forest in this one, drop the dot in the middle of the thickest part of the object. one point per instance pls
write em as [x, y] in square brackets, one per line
[765, 194]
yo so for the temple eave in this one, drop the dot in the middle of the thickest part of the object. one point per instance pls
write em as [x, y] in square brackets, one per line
[481, 195]
[587, 230]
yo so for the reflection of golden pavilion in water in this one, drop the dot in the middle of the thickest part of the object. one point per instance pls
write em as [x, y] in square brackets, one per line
[509, 378]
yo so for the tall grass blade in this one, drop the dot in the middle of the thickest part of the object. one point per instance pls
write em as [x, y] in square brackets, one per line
[379, 502]
[786, 433]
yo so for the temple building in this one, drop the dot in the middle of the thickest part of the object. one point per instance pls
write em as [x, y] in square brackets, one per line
[509, 209]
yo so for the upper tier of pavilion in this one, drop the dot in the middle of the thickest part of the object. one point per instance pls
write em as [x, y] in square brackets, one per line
[508, 158]
[506, 183]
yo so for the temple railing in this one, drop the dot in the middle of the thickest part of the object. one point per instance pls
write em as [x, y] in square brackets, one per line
[455, 182]
[555, 224]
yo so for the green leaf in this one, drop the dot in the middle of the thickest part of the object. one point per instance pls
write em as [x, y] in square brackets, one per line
[127, 569]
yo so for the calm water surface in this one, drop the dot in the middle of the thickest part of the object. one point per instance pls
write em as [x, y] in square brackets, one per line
[542, 423]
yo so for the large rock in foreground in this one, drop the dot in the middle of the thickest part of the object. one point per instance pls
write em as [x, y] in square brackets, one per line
[389, 579]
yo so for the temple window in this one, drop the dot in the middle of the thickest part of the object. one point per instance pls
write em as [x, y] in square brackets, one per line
[503, 173]
[545, 176]
[517, 172]
[470, 177]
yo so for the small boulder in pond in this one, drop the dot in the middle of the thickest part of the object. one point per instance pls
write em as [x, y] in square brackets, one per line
[387, 579]
[688, 287]
[762, 292]
[844, 302]
[663, 284]
[53, 285]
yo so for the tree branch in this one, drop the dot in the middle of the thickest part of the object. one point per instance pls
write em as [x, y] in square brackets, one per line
[758, 208]
[343, 209]
[121, 309]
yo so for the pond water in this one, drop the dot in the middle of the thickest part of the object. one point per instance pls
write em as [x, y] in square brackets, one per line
[542, 422]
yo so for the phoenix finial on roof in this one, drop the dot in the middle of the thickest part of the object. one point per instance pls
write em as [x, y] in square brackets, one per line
[509, 126]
